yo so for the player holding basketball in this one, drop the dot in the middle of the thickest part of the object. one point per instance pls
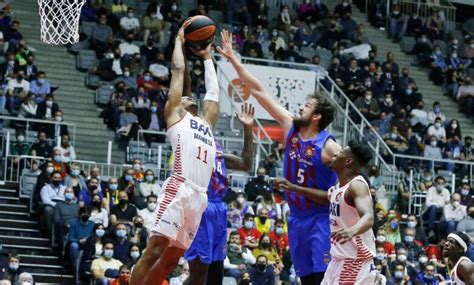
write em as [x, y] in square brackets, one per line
[462, 268]
[352, 217]
[206, 253]
[308, 150]
[184, 199]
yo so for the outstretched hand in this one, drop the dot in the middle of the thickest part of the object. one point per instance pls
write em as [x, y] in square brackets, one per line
[226, 49]
[246, 114]
[204, 53]
[180, 35]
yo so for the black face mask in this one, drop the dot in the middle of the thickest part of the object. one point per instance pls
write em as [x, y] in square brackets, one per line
[263, 219]
[261, 267]
[123, 202]
[471, 215]
[139, 225]
[116, 56]
[96, 204]
[129, 40]
[85, 218]
[56, 183]
[245, 282]
[260, 178]
[128, 109]
[266, 244]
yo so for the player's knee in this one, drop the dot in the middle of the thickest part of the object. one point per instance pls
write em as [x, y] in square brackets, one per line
[154, 250]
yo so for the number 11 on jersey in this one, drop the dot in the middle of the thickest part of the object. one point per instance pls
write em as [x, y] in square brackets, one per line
[202, 156]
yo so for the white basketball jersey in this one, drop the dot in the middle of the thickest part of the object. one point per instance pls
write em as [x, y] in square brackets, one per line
[454, 274]
[194, 149]
[343, 216]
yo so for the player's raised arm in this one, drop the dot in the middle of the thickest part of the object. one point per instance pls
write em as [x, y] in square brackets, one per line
[211, 99]
[243, 163]
[173, 109]
[359, 195]
[256, 88]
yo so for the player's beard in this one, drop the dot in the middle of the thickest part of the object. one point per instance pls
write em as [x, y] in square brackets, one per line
[300, 123]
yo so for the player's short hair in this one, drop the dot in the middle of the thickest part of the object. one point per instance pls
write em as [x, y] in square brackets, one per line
[325, 108]
[361, 152]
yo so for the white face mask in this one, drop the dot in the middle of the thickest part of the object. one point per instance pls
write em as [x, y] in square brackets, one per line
[433, 143]
[151, 207]
[381, 238]
[456, 204]
[402, 258]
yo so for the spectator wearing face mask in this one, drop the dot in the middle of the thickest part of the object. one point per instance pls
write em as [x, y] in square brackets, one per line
[99, 214]
[426, 180]
[412, 223]
[436, 113]
[47, 109]
[437, 197]
[388, 106]
[111, 194]
[438, 131]
[438, 66]
[138, 233]
[257, 186]
[18, 87]
[123, 212]
[453, 213]
[19, 146]
[149, 185]
[381, 242]
[65, 213]
[126, 182]
[68, 154]
[154, 25]
[453, 130]
[454, 151]
[50, 195]
[77, 182]
[128, 48]
[148, 213]
[465, 192]
[105, 263]
[153, 120]
[121, 243]
[41, 148]
[111, 66]
[249, 235]
[398, 23]
[413, 247]
[13, 271]
[432, 151]
[146, 81]
[262, 273]
[79, 231]
[127, 78]
[392, 231]
[414, 25]
[129, 24]
[124, 275]
[238, 257]
[279, 238]
[409, 272]
[25, 278]
[342, 9]
[179, 280]
[159, 69]
[92, 248]
[262, 221]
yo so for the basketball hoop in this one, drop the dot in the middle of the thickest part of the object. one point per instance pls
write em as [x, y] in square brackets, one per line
[60, 20]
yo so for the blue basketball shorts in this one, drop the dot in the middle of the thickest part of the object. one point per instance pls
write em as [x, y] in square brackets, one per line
[211, 238]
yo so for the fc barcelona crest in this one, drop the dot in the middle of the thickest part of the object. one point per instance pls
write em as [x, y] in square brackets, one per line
[309, 152]
[294, 142]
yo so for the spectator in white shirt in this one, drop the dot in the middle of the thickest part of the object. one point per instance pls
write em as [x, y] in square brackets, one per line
[148, 213]
[437, 130]
[158, 68]
[67, 150]
[28, 107]
[130, 23]
[128, 47]
[437, 197]
[360, 51]
[50, 195]
[18, 87]
[436, 113]
[419, 115]
[453, 213]
[432, 151]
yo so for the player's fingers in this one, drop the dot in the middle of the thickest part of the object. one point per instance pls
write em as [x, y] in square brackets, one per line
[253, 111]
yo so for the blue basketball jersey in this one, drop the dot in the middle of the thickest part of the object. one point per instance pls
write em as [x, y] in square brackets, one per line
[218, 185]
[303, 166]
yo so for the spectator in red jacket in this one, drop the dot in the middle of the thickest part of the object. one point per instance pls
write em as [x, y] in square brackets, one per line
[249, 235]
[279, 237]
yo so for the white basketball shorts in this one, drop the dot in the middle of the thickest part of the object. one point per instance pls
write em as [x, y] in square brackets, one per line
[350, 271]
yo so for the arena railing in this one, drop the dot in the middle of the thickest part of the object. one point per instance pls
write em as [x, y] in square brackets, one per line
[447, 12]
[10, 124]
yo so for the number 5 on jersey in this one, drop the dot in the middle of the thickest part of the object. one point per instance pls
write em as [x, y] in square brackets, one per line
[300, 177]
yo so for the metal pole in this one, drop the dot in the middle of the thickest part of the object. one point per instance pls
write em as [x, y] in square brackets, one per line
[160, 151]
[344, 135]
[377, 150]
[257, 160]
[453, 182]
[411, 191]
[7, 147]
[109, 153]
[58, 141]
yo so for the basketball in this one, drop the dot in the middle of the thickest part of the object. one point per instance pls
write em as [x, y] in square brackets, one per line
[201, 31]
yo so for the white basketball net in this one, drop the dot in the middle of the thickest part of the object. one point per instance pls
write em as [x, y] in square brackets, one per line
[60, 20]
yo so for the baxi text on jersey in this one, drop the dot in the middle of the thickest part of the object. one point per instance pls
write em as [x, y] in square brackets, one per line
[204, 130]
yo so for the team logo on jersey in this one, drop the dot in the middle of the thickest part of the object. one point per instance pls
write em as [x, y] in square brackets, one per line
[309, 152]
[294, 141]
[292, 154]
[338, 197]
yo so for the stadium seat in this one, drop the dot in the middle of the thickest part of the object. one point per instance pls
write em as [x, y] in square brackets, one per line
[137, 149]
[91, 80]
[27, 183]
[86, 59]
[102, 95]
[407, 44]
[229, 281]
[77, 47]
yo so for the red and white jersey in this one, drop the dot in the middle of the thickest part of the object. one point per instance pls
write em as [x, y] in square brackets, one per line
[194, 149]
[343, 216]
[454, 274]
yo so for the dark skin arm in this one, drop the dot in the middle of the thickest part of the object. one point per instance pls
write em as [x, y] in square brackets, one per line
[466, 272]
[245, 162]
[359, 197]
[315, 195]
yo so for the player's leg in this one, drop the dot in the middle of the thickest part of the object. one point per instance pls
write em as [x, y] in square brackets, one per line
[300, 247]
[197, 272]
[320, 247]
[312, 279]
[216, 273]
[165, 265]
[331, 276]
[156, 246]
